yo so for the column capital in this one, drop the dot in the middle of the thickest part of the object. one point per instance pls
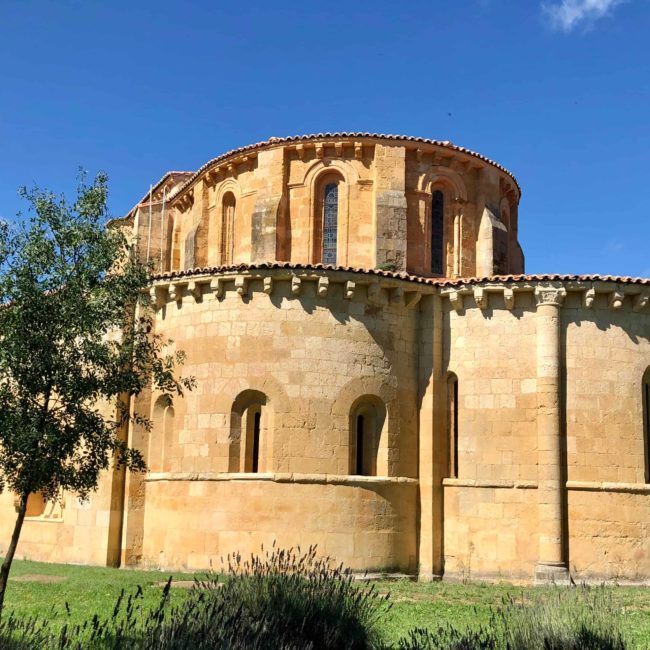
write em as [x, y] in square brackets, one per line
[550, 295]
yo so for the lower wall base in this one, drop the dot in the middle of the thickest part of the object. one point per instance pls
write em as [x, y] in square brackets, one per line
[366, 523]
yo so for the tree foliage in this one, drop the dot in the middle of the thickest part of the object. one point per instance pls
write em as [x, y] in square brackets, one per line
[76, 341]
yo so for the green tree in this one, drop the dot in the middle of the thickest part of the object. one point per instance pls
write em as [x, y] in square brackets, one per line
[76, 343]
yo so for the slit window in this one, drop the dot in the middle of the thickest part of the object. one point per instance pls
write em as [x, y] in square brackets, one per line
[256, 442]
[452, 423]
[359, 445]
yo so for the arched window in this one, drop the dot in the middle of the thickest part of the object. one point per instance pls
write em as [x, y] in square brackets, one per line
[330, 222]
[452, 423]
[250, 443]
[437, 229]
[228, 205]
[326, 218]
[161, 436]
[646, 423]
[366, 425]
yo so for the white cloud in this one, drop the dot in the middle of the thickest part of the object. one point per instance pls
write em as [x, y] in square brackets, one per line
[566, 15]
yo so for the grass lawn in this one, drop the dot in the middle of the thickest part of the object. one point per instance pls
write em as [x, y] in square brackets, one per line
[39, 589]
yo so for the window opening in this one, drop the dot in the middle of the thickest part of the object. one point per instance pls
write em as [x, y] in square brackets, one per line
[330, 222]
[437, 218]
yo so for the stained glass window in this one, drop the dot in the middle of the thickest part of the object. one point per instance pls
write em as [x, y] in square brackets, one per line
[437, 214]
[330, 222]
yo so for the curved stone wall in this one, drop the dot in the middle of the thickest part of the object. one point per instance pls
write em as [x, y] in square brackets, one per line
[365, 522]
[310, 347]
[266, 203]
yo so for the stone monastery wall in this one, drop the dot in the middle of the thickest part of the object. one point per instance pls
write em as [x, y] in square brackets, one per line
[403, 415]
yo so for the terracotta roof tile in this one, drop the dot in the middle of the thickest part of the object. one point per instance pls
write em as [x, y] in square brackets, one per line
[440, 282]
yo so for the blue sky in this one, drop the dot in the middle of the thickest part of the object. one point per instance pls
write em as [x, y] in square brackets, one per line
[556, 91]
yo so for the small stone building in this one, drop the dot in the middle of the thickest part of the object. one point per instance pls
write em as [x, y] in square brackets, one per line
[375, 375]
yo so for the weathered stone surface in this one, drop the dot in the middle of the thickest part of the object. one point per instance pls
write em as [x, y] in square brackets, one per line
[549, 448]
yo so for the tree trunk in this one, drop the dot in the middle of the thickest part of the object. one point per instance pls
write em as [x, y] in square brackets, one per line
[11, 551]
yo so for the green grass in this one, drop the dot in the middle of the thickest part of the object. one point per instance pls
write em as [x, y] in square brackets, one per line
[94, 590]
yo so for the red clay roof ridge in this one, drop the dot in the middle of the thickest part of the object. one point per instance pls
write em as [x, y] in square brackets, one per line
[402, 275]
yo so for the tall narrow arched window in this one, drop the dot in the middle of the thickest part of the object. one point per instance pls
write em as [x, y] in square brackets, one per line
[452, 424]
[437, 228]
[161, 436]
[646, 423]
[251, 444]
[367, 418]
[228, 205]
[330, 222]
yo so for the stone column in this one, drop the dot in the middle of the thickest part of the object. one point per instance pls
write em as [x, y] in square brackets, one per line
[551, 566]
[433, 448]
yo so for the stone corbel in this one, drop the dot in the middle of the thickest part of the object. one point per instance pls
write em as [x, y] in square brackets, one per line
[456, 300]
[509, 298]
[241, 285]
[296, 285]
[358, 150]
[588, 298]
[481, 298]
[247, 161]
[338, 147]
[418, 154]
[412, 299]
[268, 285]
[323, 286]
[320, 151]
[616, 299]
[232, 168]
[194, 288]
[641, 301]
[217, 287]
[176, 292]
[349, 289]
[300, 150]
[157, 295]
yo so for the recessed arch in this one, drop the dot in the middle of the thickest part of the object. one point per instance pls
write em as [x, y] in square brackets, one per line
[368, 434]
[347, 171]
[443, 177]
[250, 445]
[222, 233]
[162, 435]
